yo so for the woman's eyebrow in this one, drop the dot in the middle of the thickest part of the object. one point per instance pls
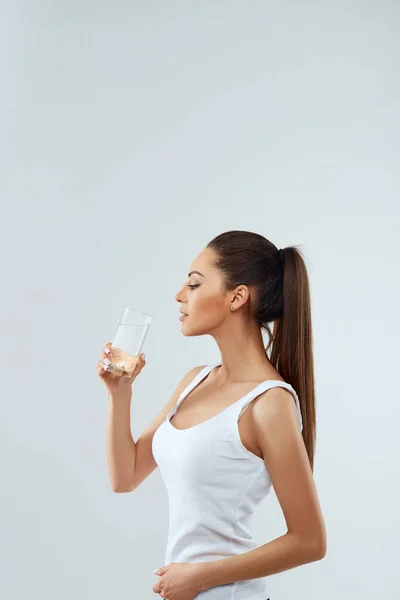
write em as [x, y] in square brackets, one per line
[198, 272]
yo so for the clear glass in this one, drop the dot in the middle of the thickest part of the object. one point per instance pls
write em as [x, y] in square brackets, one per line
[128, 341]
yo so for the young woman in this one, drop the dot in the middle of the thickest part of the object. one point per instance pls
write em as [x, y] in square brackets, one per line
[232, 429]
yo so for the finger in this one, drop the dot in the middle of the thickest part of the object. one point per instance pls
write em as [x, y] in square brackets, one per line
[107, 350]
[101, 368]
[103, 362]
[104, 368]
[141, 361]
[133, 365]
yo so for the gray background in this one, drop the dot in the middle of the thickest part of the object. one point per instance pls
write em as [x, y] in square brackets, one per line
[133, 133]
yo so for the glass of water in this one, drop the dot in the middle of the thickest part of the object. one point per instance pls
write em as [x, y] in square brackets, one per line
[128, 341]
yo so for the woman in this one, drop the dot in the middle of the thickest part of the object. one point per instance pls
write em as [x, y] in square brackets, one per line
[233, 429]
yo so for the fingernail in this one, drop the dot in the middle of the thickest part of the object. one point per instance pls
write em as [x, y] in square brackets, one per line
[106, 361]
[143, 356]
[107, 350]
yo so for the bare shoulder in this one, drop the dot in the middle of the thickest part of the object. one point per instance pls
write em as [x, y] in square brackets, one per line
[274, 410]
[187, 379]
[275, 402]
[195, 371]
[182, 385]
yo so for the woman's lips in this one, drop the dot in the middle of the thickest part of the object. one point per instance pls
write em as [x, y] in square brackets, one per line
[182, 317]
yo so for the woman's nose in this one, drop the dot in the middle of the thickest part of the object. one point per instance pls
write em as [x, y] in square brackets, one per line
[179, 296]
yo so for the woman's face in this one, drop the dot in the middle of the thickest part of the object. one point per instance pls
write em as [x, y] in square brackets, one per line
[202, 297]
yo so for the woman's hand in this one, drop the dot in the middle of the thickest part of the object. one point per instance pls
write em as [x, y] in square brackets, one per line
[118, 383]
[179, 581]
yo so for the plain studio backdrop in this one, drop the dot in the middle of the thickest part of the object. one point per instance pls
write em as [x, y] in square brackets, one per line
[132, 134]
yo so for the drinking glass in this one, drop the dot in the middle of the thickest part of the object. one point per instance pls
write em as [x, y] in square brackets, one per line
[128, 341]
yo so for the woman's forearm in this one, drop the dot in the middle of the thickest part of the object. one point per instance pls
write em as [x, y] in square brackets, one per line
[121, 448]
[281, 554]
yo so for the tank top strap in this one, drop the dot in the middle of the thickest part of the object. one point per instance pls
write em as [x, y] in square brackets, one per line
[199, 377]
[240, 406]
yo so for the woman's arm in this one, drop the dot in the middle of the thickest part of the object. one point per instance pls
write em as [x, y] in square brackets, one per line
[121, 448]
[276, 428]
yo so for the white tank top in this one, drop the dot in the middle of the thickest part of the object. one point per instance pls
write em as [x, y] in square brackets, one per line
[214, 485]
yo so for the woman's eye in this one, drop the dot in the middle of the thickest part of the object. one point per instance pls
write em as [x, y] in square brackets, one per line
[194, 286]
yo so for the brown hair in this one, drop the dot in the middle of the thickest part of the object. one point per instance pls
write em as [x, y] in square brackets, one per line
[279, 293]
